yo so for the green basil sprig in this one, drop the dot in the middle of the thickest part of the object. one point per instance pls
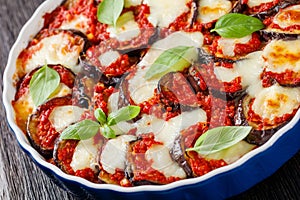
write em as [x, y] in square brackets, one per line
[235, 25]
[109, 11]
[174, 59]
[88, 128]
[220, 138]
[42, 84]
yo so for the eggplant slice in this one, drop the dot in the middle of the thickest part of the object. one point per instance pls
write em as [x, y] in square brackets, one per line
[82, 20]
[24, 106]
[49, 119]
[113, 162]
[79, 157]
[175, 89]
[267, 112]
[281, 58]
[150, 162]
[53, 47]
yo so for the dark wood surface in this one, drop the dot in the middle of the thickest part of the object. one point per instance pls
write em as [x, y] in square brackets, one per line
[21, 179]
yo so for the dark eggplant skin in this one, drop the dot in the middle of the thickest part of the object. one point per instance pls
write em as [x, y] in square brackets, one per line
[268, 36]
[33, 121]
[63, 159]
[239, 7]
[274, 10]
[194, 13]
[257, 137]
[60, 144]
[178, 155]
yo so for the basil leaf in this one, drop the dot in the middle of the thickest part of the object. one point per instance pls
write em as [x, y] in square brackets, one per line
[82, 130]
[220, 138]
[100, 116]
[235, 25]
[123, 114]
[174, 59]
[107, 132]
[109, 11]
[43, 83]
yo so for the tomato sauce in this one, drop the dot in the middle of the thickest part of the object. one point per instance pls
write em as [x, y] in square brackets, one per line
[142, 168]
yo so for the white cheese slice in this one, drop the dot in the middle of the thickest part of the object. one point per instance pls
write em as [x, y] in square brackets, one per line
[85, 155]
[56, 49]
[276, 101]
[226, 74]
[233, 153]
[78, 22]
[113, 155]
[280, 55]
[141, 89]
[254, 3]
[172, 128]
[129, 3]
[62, 90]
[161, 161]
[126, 29]
[108, 58]
[228, 44]
[26, 105]
[167, 131]
[288, 17]
[250, 69]
[210, 10]
[163, 13]
[63, 116]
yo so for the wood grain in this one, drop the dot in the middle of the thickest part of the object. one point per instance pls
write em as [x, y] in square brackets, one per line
[21, 179]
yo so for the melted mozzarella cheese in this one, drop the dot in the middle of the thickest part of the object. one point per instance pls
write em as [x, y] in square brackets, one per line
[288, 17]
[210, 10]
[254, 3]
[228, 44]
[225, 74]
[163, 13]
[233, 153]
[174, 126]
[25, 105]
[79, 22]
[167, 131]
[276, 101]
[108, 58]
[85, 155]
[129, 3]
[126, 29]
[282, 55]
[56, 49]
[161, 161]
[113, 155]
[62, 90]
[141, 89]
[250, 69]
[63, 116]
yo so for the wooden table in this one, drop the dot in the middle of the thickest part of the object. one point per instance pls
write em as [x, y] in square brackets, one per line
[21, 179]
